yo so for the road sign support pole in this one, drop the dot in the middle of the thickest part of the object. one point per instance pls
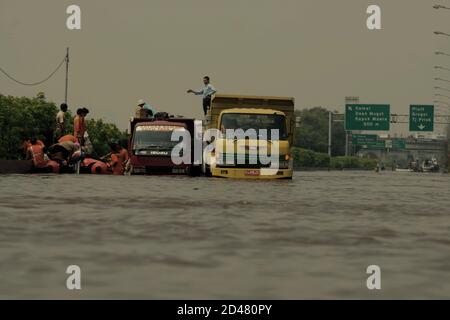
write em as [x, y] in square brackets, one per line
[346, 143]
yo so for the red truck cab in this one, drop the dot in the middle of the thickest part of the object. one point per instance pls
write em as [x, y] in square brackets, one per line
[150, 146]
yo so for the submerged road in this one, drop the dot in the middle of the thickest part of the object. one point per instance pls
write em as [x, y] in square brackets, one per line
[181, 237]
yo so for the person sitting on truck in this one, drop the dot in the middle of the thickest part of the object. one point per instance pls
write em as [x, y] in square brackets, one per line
[144, 110]
[207, 91]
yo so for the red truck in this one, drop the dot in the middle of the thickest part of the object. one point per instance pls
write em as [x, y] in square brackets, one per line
[150, 146]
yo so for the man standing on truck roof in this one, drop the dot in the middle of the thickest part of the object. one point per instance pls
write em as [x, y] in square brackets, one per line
[144, 110]
[207, 91]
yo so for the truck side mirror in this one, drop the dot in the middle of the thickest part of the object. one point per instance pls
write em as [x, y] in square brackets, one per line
[298, 121]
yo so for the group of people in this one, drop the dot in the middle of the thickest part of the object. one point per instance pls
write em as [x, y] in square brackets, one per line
[70, 149]
[51, 159]
[79, 123]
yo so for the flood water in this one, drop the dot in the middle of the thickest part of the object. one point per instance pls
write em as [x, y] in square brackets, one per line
[181, 237]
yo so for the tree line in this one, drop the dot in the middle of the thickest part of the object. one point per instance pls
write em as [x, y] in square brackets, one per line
[23, 118]
[313, 132]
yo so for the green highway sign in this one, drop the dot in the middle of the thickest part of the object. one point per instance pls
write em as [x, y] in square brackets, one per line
[421, 118]
[398, 144]
[364, 139]
[374, 117]
[379, 145]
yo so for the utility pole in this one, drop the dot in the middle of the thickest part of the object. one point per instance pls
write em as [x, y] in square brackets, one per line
[330, 121]
[67, 75]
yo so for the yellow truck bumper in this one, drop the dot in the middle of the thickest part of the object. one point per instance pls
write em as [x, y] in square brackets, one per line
[251, 173]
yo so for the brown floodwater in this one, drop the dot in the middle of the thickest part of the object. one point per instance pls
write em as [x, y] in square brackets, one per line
[171, 237]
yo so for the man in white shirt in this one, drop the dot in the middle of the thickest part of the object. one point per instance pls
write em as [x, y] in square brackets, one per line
[61, 121]
[207, 91]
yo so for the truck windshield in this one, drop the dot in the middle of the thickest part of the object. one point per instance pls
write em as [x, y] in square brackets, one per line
[258, 122]
[154, 136]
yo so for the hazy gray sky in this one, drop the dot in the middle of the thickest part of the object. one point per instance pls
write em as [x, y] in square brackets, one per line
[315, 50]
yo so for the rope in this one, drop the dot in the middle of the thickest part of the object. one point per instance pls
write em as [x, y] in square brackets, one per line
[34, 83]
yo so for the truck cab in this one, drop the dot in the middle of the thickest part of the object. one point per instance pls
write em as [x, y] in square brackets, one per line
[150, 146]
[262, 150]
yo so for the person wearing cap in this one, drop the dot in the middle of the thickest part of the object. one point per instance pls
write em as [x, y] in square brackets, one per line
[79, 125]
[144, 110]
[206, 92]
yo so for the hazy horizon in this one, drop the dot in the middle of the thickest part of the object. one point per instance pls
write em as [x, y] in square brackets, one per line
[316, 51]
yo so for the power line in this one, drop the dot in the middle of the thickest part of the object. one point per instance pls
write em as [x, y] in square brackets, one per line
[34, 83]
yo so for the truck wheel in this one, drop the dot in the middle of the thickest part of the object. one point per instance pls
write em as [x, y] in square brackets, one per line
[195, 171]
[206, 170]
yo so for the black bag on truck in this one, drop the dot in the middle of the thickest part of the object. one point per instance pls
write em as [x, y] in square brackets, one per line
[161, 115]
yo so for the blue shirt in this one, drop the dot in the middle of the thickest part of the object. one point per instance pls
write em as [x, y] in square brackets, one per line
[207, 91]
[149, 107]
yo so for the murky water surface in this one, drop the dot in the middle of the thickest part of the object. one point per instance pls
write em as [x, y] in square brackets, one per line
[181, 237]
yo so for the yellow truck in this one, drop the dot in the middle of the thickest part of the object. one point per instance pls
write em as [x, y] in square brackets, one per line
[263, 152]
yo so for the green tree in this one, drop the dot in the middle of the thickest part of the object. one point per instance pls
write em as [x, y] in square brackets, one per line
[101, 134]
[313, 132]
[22, 117]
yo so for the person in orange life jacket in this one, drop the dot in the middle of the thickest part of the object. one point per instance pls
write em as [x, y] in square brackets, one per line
[95, 166]
[68, 137]
[122, 152]
[36, 153]
[117, 159]
[79, 125]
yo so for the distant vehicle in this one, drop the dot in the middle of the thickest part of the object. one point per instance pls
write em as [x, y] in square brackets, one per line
[430, 165]
[150, 146]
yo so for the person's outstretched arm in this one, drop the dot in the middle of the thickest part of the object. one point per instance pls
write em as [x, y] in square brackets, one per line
[197, 93]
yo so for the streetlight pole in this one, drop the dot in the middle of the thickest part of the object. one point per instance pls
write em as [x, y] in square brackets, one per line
[442, 68]
[440, 79]
[443, 89]
[441, 53]
[440, 33]
[439, 6]
[442, 95]
[443, 102]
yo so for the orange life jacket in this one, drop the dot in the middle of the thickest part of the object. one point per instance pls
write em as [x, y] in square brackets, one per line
[54, 166]
[79, 127]
[68, 137]
[123, 154]
[37, 152]
[116, 164]
[97, 167]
